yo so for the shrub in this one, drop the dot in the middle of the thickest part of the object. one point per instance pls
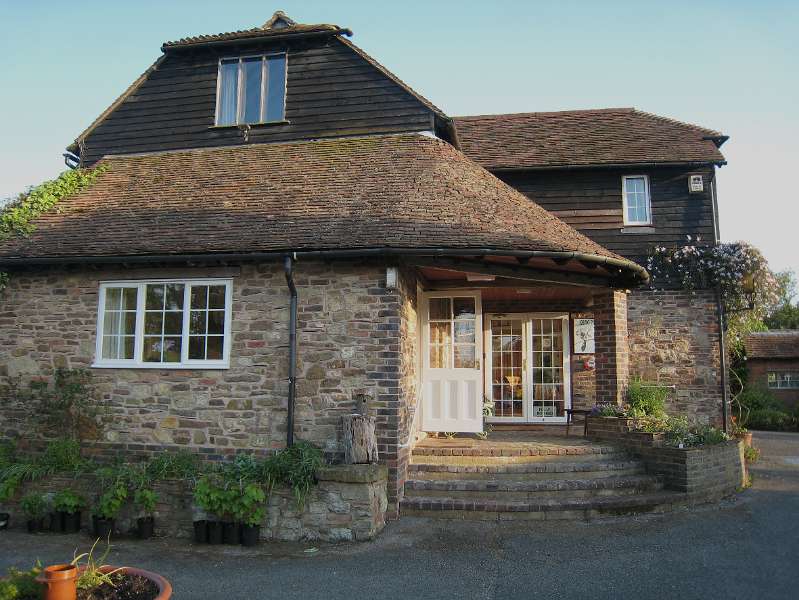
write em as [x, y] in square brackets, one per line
[678, 431]
[646, 399]
[21, 585]
[751, 454]
[145, 500]
[771, 419]
[68, 501]
[34, 505]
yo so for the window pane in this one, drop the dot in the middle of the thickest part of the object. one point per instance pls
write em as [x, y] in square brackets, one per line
[199, 296]
[276, 88]
[173, 323]
[112, 323]
[174, 296]
[464, 308]
[155, 297]
[251, 89]
[216, 322]
[440, 309]
[228, 92]
[216, 296]
[464, 332]
[112, 298]
[152, 349]
[439, 333]
[197, 347]
[464, 356]
[130, 296]
[439, 356]
[154, 323]
[215, 345]
[197, 322]
[172, 347]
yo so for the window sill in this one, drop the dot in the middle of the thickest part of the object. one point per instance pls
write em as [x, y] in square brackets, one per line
[252, 125]
[217, 366]
[642, 228]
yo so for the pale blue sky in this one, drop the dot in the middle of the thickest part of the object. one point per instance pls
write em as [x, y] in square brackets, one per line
[728, 65]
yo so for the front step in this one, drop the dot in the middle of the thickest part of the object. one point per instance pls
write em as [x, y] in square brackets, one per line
[550, 509]
[531, 489]
[454, 448]
[531, 469]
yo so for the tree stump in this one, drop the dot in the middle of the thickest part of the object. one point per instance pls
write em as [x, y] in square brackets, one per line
[360, 441]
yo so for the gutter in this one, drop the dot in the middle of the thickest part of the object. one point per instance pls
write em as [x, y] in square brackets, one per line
[604, 261]
[641, 165]
[288, 268]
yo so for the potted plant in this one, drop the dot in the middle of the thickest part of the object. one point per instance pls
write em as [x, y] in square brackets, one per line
[228, 507]
[35, 508]
[144, 499]
[208, 497]
[740, 432]
[250, 513]
[107, 508]
[68, 506]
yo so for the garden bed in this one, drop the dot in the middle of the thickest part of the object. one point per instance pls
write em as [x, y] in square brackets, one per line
[704, 473]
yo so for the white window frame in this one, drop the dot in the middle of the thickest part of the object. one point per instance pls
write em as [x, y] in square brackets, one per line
[627, 221]
[239, 84]
[137, 362]
[775, 385]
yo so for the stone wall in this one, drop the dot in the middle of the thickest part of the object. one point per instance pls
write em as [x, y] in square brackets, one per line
[703, 473]
[349, 329]
[674, 340]
[348, 504]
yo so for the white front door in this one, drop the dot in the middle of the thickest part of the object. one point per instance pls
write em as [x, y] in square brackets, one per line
[527, 375]
[452, 349]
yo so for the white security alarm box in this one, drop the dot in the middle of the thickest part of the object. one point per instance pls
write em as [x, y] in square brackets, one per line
[695, 184]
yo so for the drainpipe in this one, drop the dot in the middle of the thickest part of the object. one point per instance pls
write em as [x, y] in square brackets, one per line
[288, 262]
[723, 360]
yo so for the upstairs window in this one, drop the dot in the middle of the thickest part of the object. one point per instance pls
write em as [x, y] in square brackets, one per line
[164, 324]
[636, 200]
[251, 90]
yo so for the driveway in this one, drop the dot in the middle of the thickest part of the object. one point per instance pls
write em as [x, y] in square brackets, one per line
[747, 548]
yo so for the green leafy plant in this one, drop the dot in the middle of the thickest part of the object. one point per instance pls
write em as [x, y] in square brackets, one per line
[250, 505]
[21, 585]
[68, 501]
[210, 496]
[110, 502]
[34, 505]
[145, 499]
[91, 575]
[751, 454]
[173, 465]
[296, 466]
[69, 405]
[646, 399]
[59, 456]
[16, 217]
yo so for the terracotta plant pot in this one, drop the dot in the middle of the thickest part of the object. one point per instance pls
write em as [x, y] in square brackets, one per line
[103, 527]
[145, 526]
[71, 521]
[59, 582]
[201, 532]
[230, 532]
[4, 518]
[164, 587]
[250, 534]
[56, 523]
[35, 525]
[746, 438]
[214, 532]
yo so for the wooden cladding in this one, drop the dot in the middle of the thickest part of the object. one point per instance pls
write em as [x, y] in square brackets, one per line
[331, 91]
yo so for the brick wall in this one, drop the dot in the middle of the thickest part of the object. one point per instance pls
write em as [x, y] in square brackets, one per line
[349, 331]
[758, 369]
[674, 340]
[610, 333]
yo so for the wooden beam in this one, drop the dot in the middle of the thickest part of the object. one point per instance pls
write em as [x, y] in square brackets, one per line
[510, 272]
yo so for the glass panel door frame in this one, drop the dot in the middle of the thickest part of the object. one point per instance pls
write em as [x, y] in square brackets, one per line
[528, 347]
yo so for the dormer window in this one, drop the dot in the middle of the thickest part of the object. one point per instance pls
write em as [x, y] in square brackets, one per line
[251, 90]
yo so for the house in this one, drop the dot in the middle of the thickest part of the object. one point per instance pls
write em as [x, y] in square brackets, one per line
[772, 362]
[284, 229]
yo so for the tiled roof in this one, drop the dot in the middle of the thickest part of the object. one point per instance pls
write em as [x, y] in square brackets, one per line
[402, 191]
[773, 344]
[279, 24]
[584, 137]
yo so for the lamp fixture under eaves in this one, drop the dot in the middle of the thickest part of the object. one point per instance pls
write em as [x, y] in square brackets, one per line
[479, 277]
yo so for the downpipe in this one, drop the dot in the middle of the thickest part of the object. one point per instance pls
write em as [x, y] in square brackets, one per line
[288, 268]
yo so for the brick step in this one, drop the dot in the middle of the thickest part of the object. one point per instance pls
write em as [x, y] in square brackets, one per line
[529, 470]
[516, 460]
[513, 450]
[545, 509]
[527, 489]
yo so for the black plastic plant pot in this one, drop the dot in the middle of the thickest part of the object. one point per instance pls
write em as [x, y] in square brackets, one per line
[35, 525]
[71, 521]
[146, 527]
[230, 533]
[4, 518]
[214, 532]
[250, 534]
[103, 527]
[56, 522]
[201, 532]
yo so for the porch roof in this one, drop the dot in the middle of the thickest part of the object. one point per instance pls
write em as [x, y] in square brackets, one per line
[395, 194]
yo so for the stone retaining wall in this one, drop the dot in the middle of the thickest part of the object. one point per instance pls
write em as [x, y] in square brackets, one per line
[348, 504]
[704, 473]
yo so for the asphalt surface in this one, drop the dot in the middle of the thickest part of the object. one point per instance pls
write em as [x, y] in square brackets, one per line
[745, 548]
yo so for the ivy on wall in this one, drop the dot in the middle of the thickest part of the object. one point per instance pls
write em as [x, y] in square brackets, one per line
[17, 217]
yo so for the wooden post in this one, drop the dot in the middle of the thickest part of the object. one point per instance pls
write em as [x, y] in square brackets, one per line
[360, 441]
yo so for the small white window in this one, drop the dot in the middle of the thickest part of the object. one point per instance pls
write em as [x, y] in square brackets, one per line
[785, 380]
[636, 200]
[251, 90]
[164, 324]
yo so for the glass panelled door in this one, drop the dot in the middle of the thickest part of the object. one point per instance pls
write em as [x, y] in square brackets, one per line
[529, 367]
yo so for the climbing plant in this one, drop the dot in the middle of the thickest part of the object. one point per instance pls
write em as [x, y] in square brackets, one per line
[18, 216]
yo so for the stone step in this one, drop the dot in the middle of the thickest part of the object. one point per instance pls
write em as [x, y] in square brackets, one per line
[531, 489]
[516, 460]
[529, 470]
[512, 450]
[544, 509]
